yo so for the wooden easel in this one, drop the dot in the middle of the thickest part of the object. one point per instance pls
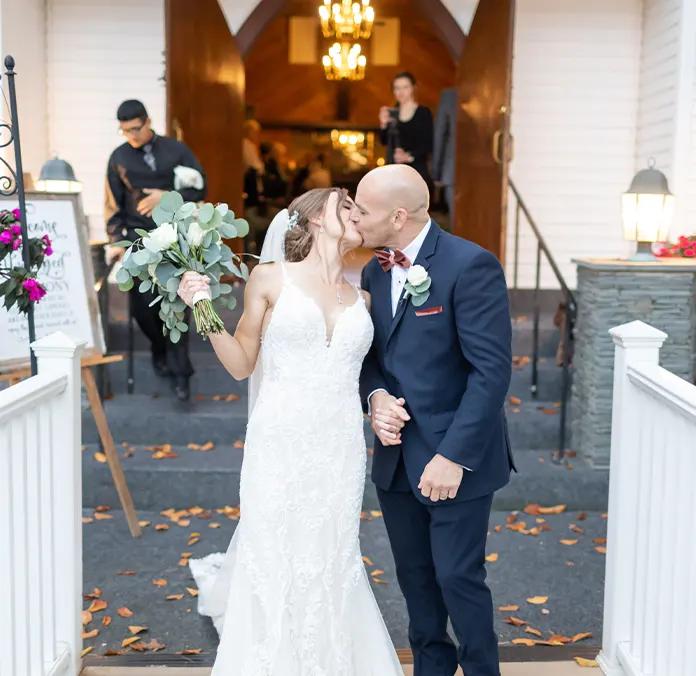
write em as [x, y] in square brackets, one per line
[95, 403]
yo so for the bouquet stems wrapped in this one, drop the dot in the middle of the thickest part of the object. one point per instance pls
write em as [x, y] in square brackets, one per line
[187, 238]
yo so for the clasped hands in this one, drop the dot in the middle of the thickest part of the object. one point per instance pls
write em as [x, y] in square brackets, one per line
[441, 477]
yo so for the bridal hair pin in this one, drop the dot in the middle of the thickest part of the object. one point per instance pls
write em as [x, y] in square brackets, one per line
[293, 219]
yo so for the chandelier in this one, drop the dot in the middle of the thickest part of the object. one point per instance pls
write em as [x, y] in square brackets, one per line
[346, 19]
[344, 62]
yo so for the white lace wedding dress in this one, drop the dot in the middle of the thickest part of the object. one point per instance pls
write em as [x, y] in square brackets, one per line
[291, 597]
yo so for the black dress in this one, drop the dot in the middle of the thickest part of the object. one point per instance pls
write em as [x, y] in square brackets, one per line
[416, 137]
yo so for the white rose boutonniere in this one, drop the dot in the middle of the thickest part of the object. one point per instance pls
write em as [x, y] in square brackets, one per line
[417, 285]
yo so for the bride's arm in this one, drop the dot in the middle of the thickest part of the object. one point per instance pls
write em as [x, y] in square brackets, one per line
[238, 353]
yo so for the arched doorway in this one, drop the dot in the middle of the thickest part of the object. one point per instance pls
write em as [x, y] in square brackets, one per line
[205, 97]
[450, 31]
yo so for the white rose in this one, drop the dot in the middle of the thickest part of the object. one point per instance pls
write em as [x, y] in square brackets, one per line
[195, 235]
[163, 236]
[417, 274]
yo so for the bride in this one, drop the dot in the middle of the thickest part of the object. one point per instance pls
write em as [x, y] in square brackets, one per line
[292, 596]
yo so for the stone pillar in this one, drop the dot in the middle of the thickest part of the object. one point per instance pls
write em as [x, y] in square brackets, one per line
[615, 292]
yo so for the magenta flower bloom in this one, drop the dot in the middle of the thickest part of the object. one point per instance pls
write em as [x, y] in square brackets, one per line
[16, 213]
[48, 249]
[6, 237]
[17, 230]
[36, 291]
[16, 244]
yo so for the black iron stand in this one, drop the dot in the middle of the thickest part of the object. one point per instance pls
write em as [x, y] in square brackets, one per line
[13, 184]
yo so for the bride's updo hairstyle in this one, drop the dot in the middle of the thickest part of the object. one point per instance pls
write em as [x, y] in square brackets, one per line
[305, 209]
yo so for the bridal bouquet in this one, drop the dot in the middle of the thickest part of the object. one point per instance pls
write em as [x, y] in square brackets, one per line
[187, 237]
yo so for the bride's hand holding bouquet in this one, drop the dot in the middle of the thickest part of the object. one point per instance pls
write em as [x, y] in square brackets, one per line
[188, 238]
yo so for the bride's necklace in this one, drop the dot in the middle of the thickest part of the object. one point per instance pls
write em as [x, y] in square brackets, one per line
[338, 296]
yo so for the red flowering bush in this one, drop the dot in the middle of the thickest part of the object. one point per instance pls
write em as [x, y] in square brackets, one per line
[684, 248]
[18, 286]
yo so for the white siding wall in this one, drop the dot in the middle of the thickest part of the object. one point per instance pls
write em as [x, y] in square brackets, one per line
[100, 52]
[23, 35]
[579, 76]
[575, 90]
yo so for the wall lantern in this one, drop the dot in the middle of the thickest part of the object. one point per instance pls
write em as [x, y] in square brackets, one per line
[647, 210]
[57, 176]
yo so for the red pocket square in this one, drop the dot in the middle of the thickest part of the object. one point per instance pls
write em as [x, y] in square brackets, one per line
[429, 311]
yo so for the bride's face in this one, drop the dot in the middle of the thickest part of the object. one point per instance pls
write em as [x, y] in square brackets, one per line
[340, 229]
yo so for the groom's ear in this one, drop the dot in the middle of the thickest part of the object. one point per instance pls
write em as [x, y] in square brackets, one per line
[399, 218]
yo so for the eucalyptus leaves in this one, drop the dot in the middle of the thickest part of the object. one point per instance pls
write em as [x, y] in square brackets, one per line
[186, 238]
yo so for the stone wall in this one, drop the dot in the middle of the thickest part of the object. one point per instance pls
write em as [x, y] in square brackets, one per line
[608, 295]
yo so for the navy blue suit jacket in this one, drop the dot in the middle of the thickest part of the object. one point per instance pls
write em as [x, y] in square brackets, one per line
[453, 367]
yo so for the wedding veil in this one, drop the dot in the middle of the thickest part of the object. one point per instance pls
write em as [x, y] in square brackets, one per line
[273, 251]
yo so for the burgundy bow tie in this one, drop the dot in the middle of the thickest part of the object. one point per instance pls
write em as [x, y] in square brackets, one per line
[388, 259]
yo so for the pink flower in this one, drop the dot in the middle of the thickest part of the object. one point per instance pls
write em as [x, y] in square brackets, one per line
[16, 213]
[48, 250]
[690, 253]
[36, 291]
[6, 237]
[16, 229]
[16, 244]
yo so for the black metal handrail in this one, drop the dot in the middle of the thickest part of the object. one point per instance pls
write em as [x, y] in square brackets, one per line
[569, 308]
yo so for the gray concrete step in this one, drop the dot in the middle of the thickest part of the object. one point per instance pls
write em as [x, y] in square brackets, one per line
[526, 566]
[196, 477]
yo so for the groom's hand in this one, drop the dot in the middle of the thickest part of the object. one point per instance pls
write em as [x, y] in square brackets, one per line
[441, 478]
[388, 417]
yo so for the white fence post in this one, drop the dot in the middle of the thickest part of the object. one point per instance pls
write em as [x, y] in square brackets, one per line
[58, 354]
[636, 343]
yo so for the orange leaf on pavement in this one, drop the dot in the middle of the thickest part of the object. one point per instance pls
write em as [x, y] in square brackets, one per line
[509, 609]
[491, 558]
[536, 632]
[136, 630]
[582, 662]
[524, 641]
[581, 637]
[106, 620]
[160, 582]
[568, 542]
[127, 641]
[538, 600]
[515, 621]
[174, 597]
[87, 650]
[125, 612]
[97, 605]
[193, 592]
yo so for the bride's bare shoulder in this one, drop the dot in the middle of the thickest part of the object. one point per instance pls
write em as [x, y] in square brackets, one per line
[265, 279]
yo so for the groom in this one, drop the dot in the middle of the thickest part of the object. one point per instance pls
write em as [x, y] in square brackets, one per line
[435, 384]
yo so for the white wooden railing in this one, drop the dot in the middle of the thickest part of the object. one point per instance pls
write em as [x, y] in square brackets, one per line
[40, 524]
[650, 590]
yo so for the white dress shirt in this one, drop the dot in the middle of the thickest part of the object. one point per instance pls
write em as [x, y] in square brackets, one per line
[398, 274]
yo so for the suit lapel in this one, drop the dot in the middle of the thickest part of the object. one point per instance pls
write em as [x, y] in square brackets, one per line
[426, 252]
[381, 299]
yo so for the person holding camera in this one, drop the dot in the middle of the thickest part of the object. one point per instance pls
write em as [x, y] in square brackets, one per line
[407, 128]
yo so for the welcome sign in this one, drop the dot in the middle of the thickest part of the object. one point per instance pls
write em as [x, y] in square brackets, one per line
[70, 304]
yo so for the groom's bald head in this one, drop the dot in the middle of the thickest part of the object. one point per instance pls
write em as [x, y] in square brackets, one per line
[391, 206]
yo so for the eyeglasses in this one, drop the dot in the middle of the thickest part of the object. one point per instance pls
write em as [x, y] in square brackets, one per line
[133, 131]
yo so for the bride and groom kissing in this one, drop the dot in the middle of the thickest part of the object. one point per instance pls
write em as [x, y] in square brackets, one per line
[424, 348]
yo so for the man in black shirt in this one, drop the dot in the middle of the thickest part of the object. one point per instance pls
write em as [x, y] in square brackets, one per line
[138, 173]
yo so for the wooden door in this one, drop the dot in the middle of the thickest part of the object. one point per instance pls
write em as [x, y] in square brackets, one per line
[484, 83]
[205, 94]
